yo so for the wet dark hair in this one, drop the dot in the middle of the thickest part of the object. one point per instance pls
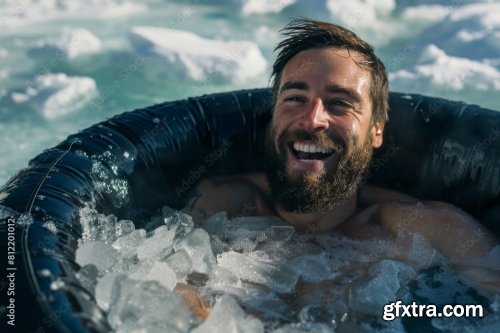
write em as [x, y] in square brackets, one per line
[305, 34]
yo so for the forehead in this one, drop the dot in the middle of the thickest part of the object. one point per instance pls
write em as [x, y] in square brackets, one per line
[328, 64]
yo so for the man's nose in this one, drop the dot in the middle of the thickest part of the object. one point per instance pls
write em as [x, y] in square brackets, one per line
[315, 117]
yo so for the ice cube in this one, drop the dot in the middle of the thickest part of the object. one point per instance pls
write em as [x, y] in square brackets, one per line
[97, 226]
[97, 253]
[180, 262]
[389, 277]
[124, 227]
[218, 246]
[217, 225]
[155, 222]
[280, 232]
[312, 268]
[180, 222]
[197, 245]
[228, 317]
[158, 246]
[317, 314]
[243, 245]
[253, 228]
[104, 288]
[147, 304]
[127, 245]
[155, 271]
[220, 278]
[257, 268]
[87, 275]
[284, 249]
[266, 305]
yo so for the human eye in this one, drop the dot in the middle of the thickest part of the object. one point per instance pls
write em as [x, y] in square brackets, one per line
[339, 102]
[339, 105]
[295, 99]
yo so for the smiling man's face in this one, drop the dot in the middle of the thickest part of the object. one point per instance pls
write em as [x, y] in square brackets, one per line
[321, 136]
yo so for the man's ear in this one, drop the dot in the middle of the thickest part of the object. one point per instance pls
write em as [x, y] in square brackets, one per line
[377, 133]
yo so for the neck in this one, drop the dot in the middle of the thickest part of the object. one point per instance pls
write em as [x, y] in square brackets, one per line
[320, 222]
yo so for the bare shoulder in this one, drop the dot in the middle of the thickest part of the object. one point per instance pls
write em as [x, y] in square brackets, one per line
[238, 195]
[448, 228]
[370, 194]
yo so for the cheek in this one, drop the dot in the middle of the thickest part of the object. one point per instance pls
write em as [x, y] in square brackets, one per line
[273, 134]
[347, 129]
[279, 123]
[354, 131]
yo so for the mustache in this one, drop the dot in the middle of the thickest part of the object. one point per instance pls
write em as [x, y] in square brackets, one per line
[319, 139]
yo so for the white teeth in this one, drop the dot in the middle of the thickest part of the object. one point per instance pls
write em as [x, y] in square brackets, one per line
[306, 148]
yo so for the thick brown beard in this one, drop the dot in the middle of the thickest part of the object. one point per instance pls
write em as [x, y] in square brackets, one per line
[313, 192]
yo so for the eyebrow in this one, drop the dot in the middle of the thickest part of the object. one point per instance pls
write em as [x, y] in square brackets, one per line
[332, 88]
[300, 85]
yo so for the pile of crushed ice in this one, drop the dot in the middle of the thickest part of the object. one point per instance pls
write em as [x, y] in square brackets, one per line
[258, 275]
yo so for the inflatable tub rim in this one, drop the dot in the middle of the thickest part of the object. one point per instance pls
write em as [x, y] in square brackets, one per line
[140, 160]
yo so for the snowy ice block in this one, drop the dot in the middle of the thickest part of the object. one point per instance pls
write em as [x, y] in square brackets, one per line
[437, 69]
[157, 246]
[227, 316]
[197, 245]
[469, 31]
[256, 268]
[197, 57]
[249, 7]
[388, 278]
[71, 44]
[360, 12]
[365, 17]
[66, 12]
[97, 253]
[56, 95]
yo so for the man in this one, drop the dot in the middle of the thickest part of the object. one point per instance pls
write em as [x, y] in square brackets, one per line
[330, 106]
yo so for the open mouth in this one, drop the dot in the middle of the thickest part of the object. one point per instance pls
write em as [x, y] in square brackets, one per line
[310, 152]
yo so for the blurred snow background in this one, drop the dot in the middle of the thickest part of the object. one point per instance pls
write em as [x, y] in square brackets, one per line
[66, 64]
